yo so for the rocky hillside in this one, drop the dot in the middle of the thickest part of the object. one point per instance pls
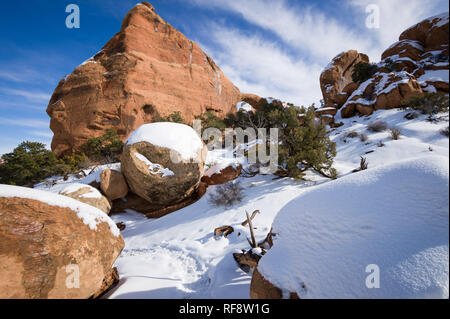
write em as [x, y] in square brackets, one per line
[416, 64]
[148, 69]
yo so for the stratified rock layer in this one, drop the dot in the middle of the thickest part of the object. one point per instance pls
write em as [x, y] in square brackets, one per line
[418, 63]
[148, 69]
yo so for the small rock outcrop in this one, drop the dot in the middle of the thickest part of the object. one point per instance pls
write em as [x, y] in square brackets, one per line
[261, 288]
[336, 79]
[85, 194]
[221, 174]
[148, 69]
[416, 64]
[113, 184]
[258, 102]
[163, 162]
[52, 246]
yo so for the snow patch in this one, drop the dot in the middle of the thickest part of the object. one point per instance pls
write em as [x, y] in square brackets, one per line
[177, 137]
[395, 216]
[90, 215]
[153, 168]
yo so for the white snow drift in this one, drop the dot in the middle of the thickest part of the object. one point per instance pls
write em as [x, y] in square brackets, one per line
[90, 215]
[396, 217]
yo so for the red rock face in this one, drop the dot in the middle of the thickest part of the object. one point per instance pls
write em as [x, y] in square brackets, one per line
[37, 243]
[420, 49]
[337, 77]
[146, 70]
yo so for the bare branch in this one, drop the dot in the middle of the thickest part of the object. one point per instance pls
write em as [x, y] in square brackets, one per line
[250, 226]
[244, 223]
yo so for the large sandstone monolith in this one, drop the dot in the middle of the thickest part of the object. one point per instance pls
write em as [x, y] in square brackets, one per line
[148, 69]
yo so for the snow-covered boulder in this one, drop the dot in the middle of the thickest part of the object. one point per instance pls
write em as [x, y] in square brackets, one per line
[222, 173]
[379, 233]
[163, 162]
[52, 246]
[83, 193]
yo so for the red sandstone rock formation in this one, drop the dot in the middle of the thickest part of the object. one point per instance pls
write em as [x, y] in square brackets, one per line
[148, 69]
[406, 70]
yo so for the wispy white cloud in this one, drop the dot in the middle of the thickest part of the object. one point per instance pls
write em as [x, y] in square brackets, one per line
[396, 16]
[41, 133]
[259, 65]
[7, 104]
[33, 123]
[33, 96]
[12, 76]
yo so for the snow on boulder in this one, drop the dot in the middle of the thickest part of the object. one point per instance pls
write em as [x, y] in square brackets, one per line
[163, 162]
[51, 244]
[222, 173]
[334, 240]
[244, 107]
[83, 193]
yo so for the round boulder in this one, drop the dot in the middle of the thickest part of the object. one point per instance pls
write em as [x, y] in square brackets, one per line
[163, 162]
[52, 246]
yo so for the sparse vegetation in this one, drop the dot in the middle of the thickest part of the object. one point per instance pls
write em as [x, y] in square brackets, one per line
[390, 65]
[363, 137]
[303, 142]
[377, 126]
[411, 116]
[380, 144]
[395, 133]
[31, 162]
[227, 194]
[363, 71]
[429, 104]
[209, 119]
[363, 165]
[174, 117]
[302, 145]
[105, 149]
[351, 134]
[444, 131]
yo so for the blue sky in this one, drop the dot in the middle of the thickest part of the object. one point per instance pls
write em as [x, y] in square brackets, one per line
[268, 47]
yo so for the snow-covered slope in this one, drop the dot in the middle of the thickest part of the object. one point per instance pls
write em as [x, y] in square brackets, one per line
[177, 255]
[395, 217]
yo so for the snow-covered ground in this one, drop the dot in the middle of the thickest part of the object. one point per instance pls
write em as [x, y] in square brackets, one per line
[393, 219]
[177, 256]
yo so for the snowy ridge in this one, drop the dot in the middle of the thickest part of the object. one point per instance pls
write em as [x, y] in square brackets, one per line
[90, 215]
[395, 217]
